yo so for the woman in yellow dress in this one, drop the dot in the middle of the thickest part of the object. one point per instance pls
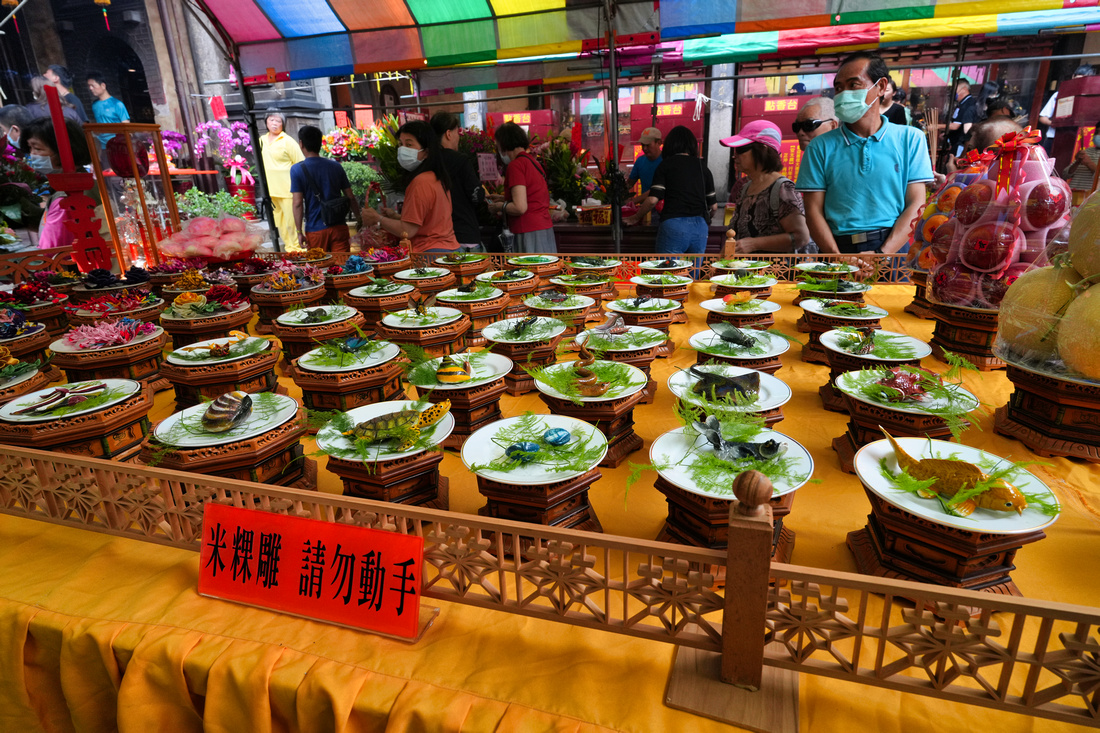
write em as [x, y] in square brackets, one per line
[280, 152]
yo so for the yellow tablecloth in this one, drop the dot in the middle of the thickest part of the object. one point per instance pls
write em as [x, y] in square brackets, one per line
[98, 629]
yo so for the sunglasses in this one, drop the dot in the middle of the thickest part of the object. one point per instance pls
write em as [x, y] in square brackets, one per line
[805, 126]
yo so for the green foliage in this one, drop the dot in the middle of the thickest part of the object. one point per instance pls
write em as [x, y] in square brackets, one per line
[576, 456]
[361, 176]
[561, 377]
[597, 342]
[248, 347]
[886, 346]
[953, 408]
[194, 202]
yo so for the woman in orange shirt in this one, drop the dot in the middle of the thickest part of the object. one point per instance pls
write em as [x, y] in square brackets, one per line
[426, 215]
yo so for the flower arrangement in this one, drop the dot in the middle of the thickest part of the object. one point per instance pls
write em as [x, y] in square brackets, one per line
[177, 265]
[250, 266]
[566, 171]
[136, 275]
[56, 277]
[100, 278]
[224, 143]
[365, 181]
[310, 254]
[473, 141]
[189, 280]
[225, 296]
[30, 293]
[346, 143]
[289, 276]
[352, 266]
[19, 202]
[173, 142]
[385, 254]
[382, 145]
[120, 302]
[108, 333]
[12, 323]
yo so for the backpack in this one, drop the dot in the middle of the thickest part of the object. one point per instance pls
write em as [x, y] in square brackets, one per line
[333, 211]
[773, 205]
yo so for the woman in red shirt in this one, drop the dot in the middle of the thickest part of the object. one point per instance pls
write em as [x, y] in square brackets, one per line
[426, 214]
[527, 196]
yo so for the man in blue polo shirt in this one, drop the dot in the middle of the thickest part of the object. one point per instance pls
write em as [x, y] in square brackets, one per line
[863, 182]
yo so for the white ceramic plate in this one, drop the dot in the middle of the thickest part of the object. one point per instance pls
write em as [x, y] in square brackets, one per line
[623, 344]
[681, 280]
[337, 313]
[173, 358]
[479, 448]
[365, 291]
[31, 329]
[809, 267]
[855, 287]
[814, 305]
[7, 413]
[17, 380]
[194, 436]
[61, 346]
[407, 319]
[675, 452]
[352, 361]
[487, 277]
[532, 260]
[719, 306]
[638, 380]
[607, 263]
[497, 331]
[775, 345]
[867, 467]
[741, 264]
[850, 382]
[730, 281]
[831, 340]
[621, 305]
[568, 282]
[470, 259]
[652, 265]
[773, 392]
[329, 438]
[410, 274]
[536, 301]
[450, 296]
[486, 369]
[166, 315]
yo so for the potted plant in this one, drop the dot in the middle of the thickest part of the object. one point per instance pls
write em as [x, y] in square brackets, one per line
[231, 147]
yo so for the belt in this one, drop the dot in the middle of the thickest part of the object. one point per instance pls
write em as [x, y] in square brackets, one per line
[862, 237]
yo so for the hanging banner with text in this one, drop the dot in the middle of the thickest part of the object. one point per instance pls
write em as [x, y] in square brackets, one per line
[354, 576]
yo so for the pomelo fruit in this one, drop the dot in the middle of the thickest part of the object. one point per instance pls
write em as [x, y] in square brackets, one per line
[1032, 308]
[1079, 334]
[1084, 238]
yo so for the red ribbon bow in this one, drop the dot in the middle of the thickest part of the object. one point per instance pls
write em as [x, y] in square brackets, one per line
[1010, 148]
[976, 157]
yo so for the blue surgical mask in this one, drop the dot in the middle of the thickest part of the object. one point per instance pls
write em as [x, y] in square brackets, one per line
[1096, 141]
[40, 163]
[408, 158]
[14, 142]
[852, 105]
[506, 158]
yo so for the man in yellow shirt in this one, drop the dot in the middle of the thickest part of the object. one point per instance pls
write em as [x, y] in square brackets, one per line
[281, 152]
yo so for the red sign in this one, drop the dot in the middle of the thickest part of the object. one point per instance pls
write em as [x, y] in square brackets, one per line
[341, 118]
[217, 107]
[791, 156]
[353, 576]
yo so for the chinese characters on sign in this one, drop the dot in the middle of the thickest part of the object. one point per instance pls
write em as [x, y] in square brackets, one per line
[333, 572]
[669, 110]
[791, 157]
[781, 105]
[520, 118]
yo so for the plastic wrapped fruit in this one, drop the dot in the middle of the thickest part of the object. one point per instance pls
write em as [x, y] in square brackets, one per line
[1031, 309]
[973, 201]
[942, 239]
[1084, 236]
[992, 288]
[945, 201]
[1078, 335]
[955, 284]
[931, 224]
[991, 247]
[1045, 203]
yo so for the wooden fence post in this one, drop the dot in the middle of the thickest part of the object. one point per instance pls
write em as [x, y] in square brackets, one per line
[748, 567]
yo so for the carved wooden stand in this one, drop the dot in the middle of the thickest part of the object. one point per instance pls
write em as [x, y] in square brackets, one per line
[1051, 416]
[81, 293]
[613, 418]
[660, 320]
[592, 290]
[245, 283]
[385, 269]
[679, 293]
[758, 293]
[768, 364]
[759, 321]
[253, 373]
[337, 286]
[703, 521]
[558, 504]
[897, 544]
[818, 324]
[346, 390]
[149, 314]
[187, 331]
[140, 362]
[435, 340]
[643, 359]
[921, 307]
[809, 294]
[464, 270]
[969, 333]
[31, 347]
[275, 457]
[115, 432]
[831, 397]
[481, 314]
[429, 285]
[577, 316]
[36, 382]
[529, 354]
[517, 290]
[273, 303]
[472, 408]
[52, 315]
[542, 272]
[863, 428]
[374, 309]
[298, 339]
[411, 480]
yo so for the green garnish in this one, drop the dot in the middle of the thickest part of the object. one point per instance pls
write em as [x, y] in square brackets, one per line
[537, 301]
[481, 291]
[561, 377]
[576, 456]
[248, 347]
[424, 371]
[264, 407]
[628, 341]
[886, 346]
[652, 305]
[744, 281]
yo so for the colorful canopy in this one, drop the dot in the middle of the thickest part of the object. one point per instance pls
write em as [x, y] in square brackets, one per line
[298, 39]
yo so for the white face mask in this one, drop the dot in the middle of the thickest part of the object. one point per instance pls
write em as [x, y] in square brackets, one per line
[506, 158]
[408, 158]
[852, 105]
[40, 163]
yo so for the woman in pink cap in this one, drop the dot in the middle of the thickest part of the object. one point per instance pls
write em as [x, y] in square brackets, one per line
[770, 214]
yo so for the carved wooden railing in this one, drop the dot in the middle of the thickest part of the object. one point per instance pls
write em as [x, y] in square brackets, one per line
[19, 266]
[1017, 654]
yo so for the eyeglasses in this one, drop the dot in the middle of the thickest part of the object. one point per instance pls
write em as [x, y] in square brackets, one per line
[805, 126]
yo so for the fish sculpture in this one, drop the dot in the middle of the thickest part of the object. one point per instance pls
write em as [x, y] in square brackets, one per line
[714, 386]
[63, 397]
[554, 296]
[420, 306]
[613, 326]
[731, 450]
[865, 341]
[517, 330]
[317, 315]
[453, 372]
[640, 301]
[733, 335]
[952, 476]
[227, 412]
[588, 384]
